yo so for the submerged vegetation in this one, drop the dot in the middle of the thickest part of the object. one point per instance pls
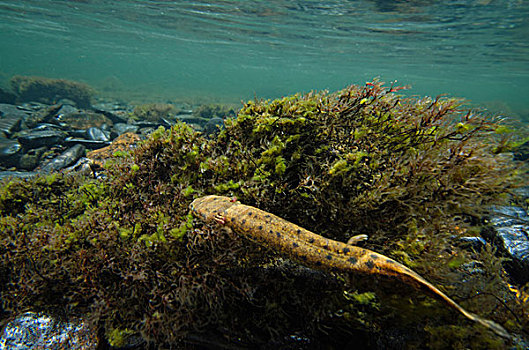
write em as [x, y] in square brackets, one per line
[412, 174]
[51, 91]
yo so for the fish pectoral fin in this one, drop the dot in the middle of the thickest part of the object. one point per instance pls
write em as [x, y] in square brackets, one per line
[356, 239]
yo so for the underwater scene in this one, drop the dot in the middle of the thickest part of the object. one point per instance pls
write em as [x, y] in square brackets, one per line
[264, 174]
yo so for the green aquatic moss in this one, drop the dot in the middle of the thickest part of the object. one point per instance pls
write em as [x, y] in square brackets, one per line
[126, 253]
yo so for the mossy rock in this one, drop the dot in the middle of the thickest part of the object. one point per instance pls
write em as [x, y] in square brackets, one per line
[50, 91]
[153, 111]
[209, 111]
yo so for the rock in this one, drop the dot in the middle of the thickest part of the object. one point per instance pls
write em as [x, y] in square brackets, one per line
[66, 109]
[18, 174]
[191, 119]
[9, 125]
[51, 91]
[90, 144]
[473, 242]
[509, 231]
[33, 331]
[123, 143]
[38, 138]
[117, 113]
[10, 118]
[83, 119]
[213, 126]
[67, 158]
[83, 167]
[522, 152]
[31, 159]
[146, 124]
[9, 152]
[166, 122]
[7, 110]
[121, 128]
[146, 131]
[97, 134]
[44, 115]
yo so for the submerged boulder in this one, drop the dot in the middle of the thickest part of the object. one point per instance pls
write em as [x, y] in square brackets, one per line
[38, 138]
[51, 91]
[67, 158]
[34, 331]
[509, 231]
[9, 152]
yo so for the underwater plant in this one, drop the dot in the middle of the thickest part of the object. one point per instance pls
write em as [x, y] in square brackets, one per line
[153, 111]
[48, 90]
[413, 174]
[209, 111]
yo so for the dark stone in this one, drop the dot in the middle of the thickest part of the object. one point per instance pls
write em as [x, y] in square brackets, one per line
[82, 119]
[90, 144]
[473, 242]
[191, 119]
[9, 152]
[522, 152]
[213, 126]
[509, 231]
[44, 115]
[146, 131]
[31, 159]
[9, 125]
[121, 128]
[147, 124]
[82, 166]
[67, 158]
[46, 126]
[166, 122]
[34, 331]
[66, 109]
[35, 139]
[117, 113]
[7, 110]
[96, 134]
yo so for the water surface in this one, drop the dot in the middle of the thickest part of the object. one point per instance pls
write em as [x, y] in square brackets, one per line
[233, 50]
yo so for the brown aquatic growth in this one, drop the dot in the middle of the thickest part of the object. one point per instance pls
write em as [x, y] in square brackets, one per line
[316, 251]
[122, 143]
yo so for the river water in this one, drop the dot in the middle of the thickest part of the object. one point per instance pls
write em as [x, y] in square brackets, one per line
[235, 50]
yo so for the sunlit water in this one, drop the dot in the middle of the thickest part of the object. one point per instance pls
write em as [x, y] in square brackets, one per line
[233, 50]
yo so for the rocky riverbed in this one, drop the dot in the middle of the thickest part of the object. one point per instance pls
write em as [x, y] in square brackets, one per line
[36, 137]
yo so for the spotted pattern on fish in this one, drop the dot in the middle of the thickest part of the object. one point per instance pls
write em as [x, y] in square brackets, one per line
[315, 251]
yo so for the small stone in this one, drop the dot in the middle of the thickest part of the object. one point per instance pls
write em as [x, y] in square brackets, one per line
[31, 159]
[509, 231]
[7, 110]
[97, 134]
[123, 143]
[34, 331]
[121, 128]
[35, 139]
[9, 125]
[213, 126]
[9, 152]
[90, 144]
[67, 158]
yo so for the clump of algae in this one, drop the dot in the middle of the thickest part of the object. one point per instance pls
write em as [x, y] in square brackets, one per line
[410, 173]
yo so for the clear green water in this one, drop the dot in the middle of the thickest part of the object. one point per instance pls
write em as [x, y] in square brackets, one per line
[233, 50]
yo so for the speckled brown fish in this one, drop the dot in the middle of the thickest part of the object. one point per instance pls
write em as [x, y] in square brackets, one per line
[316, 251]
